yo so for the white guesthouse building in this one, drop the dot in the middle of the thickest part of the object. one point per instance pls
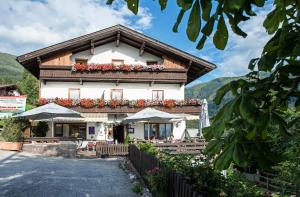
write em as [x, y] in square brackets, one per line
[109, 75]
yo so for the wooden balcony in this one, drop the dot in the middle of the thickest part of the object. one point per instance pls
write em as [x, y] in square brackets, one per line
[188, 109]
[64, 73]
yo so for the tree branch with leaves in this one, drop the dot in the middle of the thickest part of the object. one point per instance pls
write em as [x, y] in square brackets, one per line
[240, 131]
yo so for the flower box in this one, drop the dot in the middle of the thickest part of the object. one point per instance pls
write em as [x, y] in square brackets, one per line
[14, 146]
[111, 67]
[139, 103]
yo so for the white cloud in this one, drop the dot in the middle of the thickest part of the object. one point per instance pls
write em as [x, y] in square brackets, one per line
[234, 60]
[29, 25]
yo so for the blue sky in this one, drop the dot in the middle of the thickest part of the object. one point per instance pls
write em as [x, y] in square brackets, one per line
[29, 25]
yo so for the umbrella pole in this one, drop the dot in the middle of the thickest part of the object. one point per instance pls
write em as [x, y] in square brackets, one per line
[52, 127]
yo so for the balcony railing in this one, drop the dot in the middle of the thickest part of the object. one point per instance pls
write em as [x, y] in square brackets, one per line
[126, 106]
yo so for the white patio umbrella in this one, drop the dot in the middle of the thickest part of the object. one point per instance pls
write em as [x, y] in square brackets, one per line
[49, 111]
[148, 115]
[204, 117]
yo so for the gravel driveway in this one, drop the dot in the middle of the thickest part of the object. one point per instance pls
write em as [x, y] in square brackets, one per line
[24, 174]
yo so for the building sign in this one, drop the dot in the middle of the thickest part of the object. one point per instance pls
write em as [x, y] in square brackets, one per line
[11, 105]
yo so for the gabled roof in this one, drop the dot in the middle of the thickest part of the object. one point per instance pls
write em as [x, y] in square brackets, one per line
[197, 66]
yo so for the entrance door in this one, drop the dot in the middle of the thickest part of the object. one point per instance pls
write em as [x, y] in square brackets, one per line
[118, 132]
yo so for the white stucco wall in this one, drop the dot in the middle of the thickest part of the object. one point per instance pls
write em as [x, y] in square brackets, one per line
[105, 54]
[131, 91]
[99, 131]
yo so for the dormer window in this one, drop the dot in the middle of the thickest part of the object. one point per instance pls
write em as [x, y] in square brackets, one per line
[151, 63]
[117, 62]
[157, 95]
[81, 61]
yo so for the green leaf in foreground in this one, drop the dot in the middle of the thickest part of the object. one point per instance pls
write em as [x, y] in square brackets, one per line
[194, 23]
[178, 20]
[221, 36]
[133, 5]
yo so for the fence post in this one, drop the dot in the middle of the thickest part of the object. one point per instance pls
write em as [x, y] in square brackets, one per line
[140, 162]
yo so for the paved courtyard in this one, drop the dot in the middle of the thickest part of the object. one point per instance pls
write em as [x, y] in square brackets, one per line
[24, 175]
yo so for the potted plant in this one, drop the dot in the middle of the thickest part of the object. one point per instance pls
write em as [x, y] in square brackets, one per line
[12, 135]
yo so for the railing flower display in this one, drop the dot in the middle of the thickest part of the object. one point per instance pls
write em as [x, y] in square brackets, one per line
[87, 103]
[64, 102]
[101, 103]
[78, 67]
[114, 103]
[139, 103]
[43, 101]
[169, 103]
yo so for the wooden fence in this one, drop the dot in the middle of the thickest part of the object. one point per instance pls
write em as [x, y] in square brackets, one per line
[182, 147]
[177, 184]
[111, 149]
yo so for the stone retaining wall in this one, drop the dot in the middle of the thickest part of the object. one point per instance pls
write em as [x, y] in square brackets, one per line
[52, 149]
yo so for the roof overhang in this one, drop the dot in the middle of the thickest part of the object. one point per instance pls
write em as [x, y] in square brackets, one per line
[196, 66]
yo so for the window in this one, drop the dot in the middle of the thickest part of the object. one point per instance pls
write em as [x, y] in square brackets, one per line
[151, 62]
[117, 62]
[158, 131]
[81, 61]
[58, 130]
[157, 95]
[74, 93]
[116, 94]
[77, 130]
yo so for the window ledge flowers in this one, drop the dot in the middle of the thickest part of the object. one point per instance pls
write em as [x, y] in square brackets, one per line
[111, 67]
[100, 103]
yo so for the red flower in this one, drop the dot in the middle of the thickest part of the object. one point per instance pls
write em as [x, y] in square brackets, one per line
[107, 67]
[140, 103]
[169, 103]
[43, 101]
[126, 68]
[80, 67]
[114, 103]
[64, 102]
[138, 68]
[101, 103]
[87, 103]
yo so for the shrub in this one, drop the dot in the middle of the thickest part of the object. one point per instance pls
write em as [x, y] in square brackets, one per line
[137, 188]
[148, 148]
[200, 173]
[157, 181]
[12, 130]
[40, 130]
[127, 139]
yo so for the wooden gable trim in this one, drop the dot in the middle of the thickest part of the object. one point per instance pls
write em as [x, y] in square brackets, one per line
[142, 49]
[92, 50]
[118, 39]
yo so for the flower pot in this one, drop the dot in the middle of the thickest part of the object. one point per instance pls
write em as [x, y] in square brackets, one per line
[15, 146]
